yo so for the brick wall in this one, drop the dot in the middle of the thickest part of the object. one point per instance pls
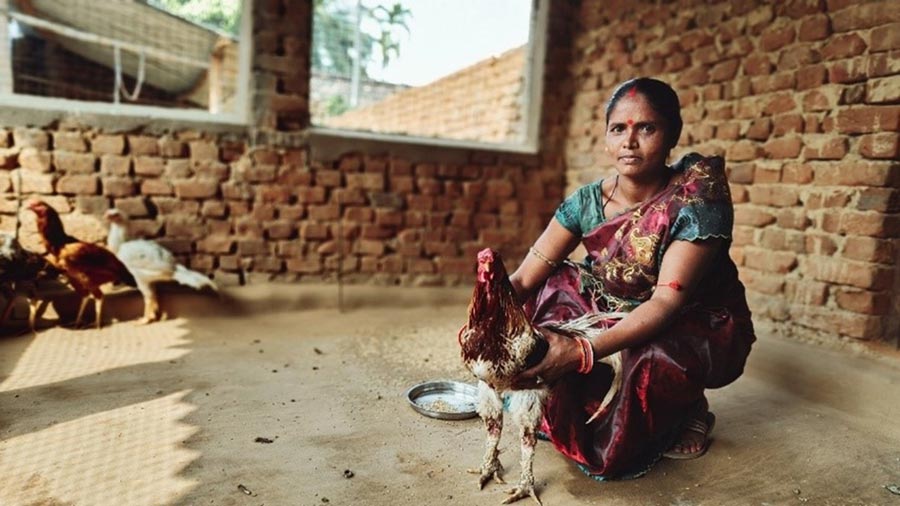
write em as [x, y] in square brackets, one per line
[266, 204]
[801, 98]
[457, 106]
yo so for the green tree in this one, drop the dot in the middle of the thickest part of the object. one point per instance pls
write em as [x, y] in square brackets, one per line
[334, 29]
[223, 15]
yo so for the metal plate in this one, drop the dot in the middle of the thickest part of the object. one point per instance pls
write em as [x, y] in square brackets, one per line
[445, 400]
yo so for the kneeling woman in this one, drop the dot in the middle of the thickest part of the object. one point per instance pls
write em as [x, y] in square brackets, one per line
[657, 238]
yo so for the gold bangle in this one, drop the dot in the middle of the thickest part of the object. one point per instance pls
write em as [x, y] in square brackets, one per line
[541, 256]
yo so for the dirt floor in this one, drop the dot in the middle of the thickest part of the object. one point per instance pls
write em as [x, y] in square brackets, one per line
[171, 414]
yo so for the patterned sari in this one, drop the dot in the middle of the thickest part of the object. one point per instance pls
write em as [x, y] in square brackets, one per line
[705, 346]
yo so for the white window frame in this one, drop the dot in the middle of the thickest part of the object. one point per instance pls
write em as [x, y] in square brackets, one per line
[534, 93]
[241, 116]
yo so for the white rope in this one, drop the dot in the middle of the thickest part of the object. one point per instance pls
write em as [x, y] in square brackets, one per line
[120, 83]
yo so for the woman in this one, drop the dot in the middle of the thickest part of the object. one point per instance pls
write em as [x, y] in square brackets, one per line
[657, 238]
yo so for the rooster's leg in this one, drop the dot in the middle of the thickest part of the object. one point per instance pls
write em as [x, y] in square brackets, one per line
[84, 301]
[98, 308]
[526, 407]
[490, 408]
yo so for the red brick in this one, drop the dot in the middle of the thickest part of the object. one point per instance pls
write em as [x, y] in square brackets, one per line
[863, 301]
[865, 15]
[868, 119]
[880, 146]
[725, 131]
[853, 70]
[792, 218]
[811, 77]
[776, 37]
[797, 173]
[210, 169]
[773, 195]
[806, 292]
[78, 184]
[820, 100]
[829, 148]
[816, 27]
[214, 209]
[783, 147]
[373, 181]
[328, 178]
[885, 200]
[767, 172]
[759, 129]
[311, 264]
[149, 166]
[883, 64]
[279, 229]
[870, 223]
[178, 168]
[326, 212]
[849, 273]
[843, 46]
[780, 103]
[870, 249]
[885, 38]
[786, 123]
[780, 262]
[742, 151]
[820, 244]
[752, 216]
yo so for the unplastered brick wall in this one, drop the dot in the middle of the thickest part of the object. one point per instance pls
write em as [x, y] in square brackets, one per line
[801, 98]
[254, 204]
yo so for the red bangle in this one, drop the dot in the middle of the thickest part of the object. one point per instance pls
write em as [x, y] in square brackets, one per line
[587, 355]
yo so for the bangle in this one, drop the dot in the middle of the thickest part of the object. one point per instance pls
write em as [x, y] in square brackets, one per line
[541, 256]
[587, 355]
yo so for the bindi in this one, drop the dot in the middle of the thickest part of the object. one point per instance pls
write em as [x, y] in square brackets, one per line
[632, 92]
[630, 122]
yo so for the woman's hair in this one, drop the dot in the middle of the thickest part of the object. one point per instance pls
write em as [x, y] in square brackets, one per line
[662, 98]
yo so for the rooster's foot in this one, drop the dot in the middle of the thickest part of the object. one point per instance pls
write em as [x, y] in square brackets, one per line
[487, 472]
[522, 491]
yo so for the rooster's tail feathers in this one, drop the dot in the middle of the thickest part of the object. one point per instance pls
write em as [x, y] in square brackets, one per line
[192, 279]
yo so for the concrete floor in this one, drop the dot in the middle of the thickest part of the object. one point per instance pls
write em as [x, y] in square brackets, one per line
[169, 414]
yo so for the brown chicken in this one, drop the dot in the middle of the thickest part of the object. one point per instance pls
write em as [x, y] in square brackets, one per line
[87, 266]
[498, 342]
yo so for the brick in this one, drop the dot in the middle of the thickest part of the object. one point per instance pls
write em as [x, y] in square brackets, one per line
[776, 37]
[885, 38]
[214, 209]
[786, 123]
[780, 103]
[792, 218]
[171, 147]
[149, 165]
[862, 301]
[326, 212]
[693, 77]
[752, 216]
[142, 145]
[32, 182]
[864, 15]
[870, 223]
[35, 160]
[797, 173]
[783, 147]
[118, 187]
[69, 141]
[743, 151]
[886, 200]
[725, 131]
[108, 145]
[843, 46]
[780, 262]
[762, 282]
[349, 197]
[811, 77]
[836, 321]
[812, 28]
[805, 292]
[310, 264]
[203, 150]
[883, 90]
[759, 129]
[820, 99]
[849, 273]
[870, 249]
[196, 188]
[853, 70]
[311, 195]
[827, 148]
[328, 178]
[115, 165]
[156, 187]
[178, 169]
[31, 138]
[133, 207]
[868, 119]
[372, 181]
[773, 195]
[767, 172]
[880, 146]
[210, 169]
[78, 184]
[883, 64]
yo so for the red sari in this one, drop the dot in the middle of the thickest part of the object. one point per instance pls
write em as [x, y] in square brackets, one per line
[706, 346]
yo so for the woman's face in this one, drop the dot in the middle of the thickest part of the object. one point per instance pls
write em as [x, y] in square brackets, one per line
[636, 138]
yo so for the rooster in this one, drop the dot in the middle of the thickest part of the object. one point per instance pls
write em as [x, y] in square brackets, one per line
[498, 342]
[20, 270]
[150, 264]
[87, 266]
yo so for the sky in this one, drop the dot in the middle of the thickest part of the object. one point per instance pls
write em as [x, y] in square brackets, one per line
[448, 35]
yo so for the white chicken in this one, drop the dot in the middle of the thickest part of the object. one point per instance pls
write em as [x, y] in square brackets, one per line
[150, 264]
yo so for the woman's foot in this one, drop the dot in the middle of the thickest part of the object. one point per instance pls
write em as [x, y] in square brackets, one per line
[694, 440]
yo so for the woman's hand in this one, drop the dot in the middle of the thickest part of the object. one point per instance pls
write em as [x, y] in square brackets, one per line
[563, 356]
